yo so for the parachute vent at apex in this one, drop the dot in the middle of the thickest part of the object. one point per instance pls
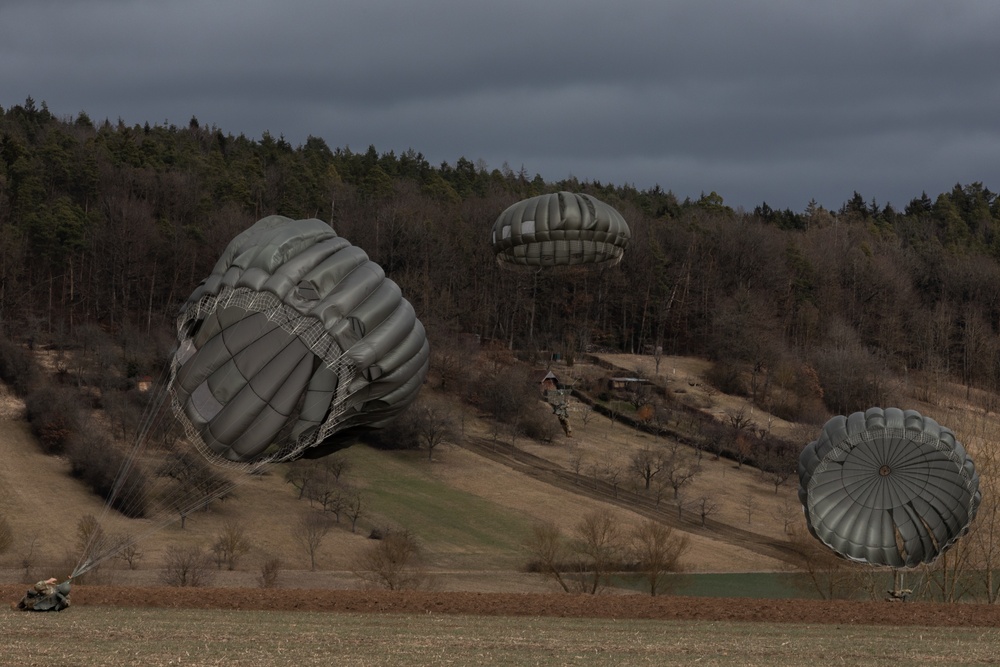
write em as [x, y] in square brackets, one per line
[294, 338]
[560, 229]
[887, 487]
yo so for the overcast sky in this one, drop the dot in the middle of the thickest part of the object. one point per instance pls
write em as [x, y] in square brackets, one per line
[776, 101]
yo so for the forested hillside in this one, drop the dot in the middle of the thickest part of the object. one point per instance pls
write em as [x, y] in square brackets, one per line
[108, 224]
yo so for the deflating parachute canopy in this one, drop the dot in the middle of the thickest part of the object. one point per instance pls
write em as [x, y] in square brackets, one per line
[294, 338]
[561, 229]
[887, 487]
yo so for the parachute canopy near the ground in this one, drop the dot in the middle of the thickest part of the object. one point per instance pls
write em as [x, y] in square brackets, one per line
[887, 487]
[560, 229]
[294, 339]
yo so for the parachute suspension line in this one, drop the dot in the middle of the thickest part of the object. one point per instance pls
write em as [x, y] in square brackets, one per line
[898, 592]
[295, 422]
[179, 505]
[179, 502]
[97, 543]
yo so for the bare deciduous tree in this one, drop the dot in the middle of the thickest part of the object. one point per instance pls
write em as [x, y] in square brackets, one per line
[706, 507]
[300, 474]
[681, 503]
[90, 536]
[186, 566]
[392, 562]
[831, 577]
[599, 540]
[548, 551]
[335, 466]
[739, 420]
[984, 534]
[749, 504]
[612, 474]
[576, 464]
[434, 425]
[269, 571]
[231, 544]
[128, 550]
[28, 555]
[716, 440]
[638, 395]
[777, 464]
[354, 507]
[331, 495]
[678, 467]
[646, 463]
[947, 578]
[657, 551]
[197, 484]
[309, 532]
[743, 447]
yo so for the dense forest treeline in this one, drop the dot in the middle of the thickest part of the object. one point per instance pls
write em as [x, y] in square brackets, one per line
[108, 224]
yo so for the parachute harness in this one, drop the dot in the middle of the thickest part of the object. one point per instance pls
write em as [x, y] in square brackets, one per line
[308, 329]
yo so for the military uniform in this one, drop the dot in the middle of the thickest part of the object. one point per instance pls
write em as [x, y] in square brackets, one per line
[46, 596]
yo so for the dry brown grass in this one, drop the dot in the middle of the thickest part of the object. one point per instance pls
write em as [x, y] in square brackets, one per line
[44, 505]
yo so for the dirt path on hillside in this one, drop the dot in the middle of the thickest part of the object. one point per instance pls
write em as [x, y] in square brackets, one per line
[840, 612]
[545, 471]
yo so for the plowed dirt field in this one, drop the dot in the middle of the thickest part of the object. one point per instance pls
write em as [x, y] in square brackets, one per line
[839, 612]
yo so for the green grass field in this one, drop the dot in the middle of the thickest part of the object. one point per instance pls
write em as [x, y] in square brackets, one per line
[106, 636]
[435, 513]
[759, 585]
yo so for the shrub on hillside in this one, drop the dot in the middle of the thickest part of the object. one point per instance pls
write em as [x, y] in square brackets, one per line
[727, 377]
[55, 415]
[270, 569]
[507, 394]
[540, 424]
[401, 433]
[392, 563]
[17, 368]
[101, 465]
[186, 566]
[851, 378]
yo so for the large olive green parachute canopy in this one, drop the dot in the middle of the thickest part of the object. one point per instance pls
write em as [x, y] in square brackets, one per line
[560, 229]
[295, 338]
[887, 487]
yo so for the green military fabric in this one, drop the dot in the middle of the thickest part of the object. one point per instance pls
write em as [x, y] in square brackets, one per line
[887, 487]
[295, 338]
[560, 229]
[46, 596]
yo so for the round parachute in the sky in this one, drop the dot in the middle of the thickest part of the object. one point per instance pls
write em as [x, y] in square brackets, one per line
[887, 487]
[560, 229]
[295, 339]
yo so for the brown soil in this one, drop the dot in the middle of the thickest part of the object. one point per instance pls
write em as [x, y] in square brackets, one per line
[838, 612]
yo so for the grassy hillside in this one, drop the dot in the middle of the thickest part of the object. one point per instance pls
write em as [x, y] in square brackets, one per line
[470, 507]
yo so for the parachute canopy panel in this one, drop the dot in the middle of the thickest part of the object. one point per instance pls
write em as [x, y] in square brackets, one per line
[887, 487]
[295, 337]
[560, 229]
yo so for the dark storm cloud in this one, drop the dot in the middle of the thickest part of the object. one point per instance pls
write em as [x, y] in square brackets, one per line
[776, 101]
